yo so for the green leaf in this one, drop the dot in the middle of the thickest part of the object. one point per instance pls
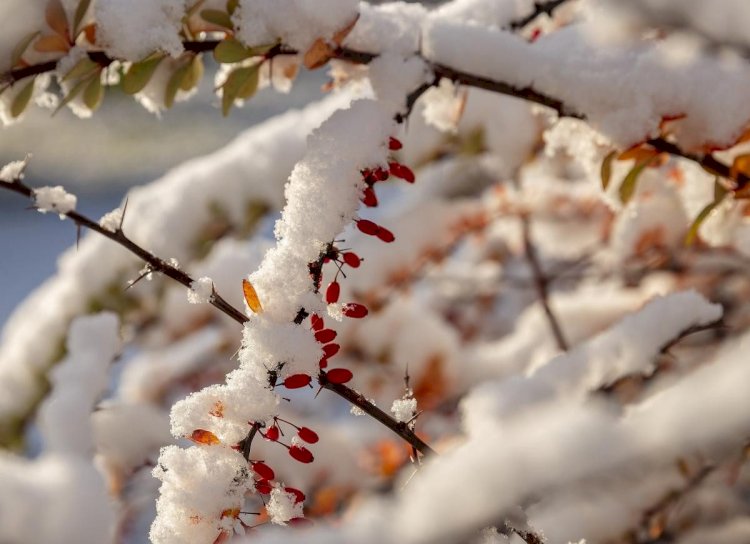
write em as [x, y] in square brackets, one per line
[140, 73]
[174, 84]
[82, 68]
[93, 94]
[606, 170]
[83, 7]
[692, 232]
[230, 50]
[719, 190]
[75, 91]
[241, 83]
[194, 75]
[217, 17]
[21, 101]
[627, 188]
[21, 47]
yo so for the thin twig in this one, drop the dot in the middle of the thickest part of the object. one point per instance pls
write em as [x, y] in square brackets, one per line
[541, 282]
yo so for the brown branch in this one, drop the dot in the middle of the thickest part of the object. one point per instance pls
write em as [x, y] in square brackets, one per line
[158, 265]
[541, 282]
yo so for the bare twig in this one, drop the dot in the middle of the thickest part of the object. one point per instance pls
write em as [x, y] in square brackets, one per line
[541, 282]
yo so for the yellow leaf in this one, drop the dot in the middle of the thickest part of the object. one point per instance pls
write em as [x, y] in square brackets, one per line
[53, 43]
[251, 297]
[207, 438]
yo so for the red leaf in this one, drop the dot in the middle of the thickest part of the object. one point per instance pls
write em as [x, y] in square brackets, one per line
[394, 144]
[301, 454]
[354, 310]
[385, 235]
[308, 435]
[329, 350]
[263, 470]
[298, 495]
[325, 336]
[295, 381]
[339, 375]
[367, 227]
[332, 293]
[352, 259]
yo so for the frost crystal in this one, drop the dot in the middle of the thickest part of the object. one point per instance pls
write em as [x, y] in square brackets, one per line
[54, 199]
[283, 506]
[404, 409]
[111, 221]
[201, 291]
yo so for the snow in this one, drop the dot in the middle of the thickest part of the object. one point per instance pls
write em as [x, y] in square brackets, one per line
[404, 409]
[282, 506]
[201, 291]
[111, 221]
[13, 171]
[55, 200]
[132, 30]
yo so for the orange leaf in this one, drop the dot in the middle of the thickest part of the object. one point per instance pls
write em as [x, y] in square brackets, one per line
[201, 436]
[341, 34]
[318, 54]
[52, 43]
[741, 165]
[638, 152]
[56, 18]
[231, 513]
[251, 297]
[90, 32]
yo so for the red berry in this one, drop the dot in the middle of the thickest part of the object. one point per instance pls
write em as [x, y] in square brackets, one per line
[332, 293]
[369, 198]
[300, 522]
[301, 454]
[295, 381]
[385, 235]
[308, 435]
[263, 470]
[380, 174]
[298, 495]
[357, 311]
[316, 322]
[339, 375]
[272, 433]
[368, 227]
[325, 336]
[394, 144]
[352, 259]
[401, 171]
[331, 349]
[323, 363]
[263, 487]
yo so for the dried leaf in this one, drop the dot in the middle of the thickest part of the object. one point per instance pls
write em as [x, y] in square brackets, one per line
[83, 7]
[606, 170]
[251, 297]
[93, 94]
[341, 35]
[52, 43]
[90, 32]
[139, 74]
[201, 436]
[21, 48]
[56, 18]
[217, 17]
[21, 101]
[318, 54]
